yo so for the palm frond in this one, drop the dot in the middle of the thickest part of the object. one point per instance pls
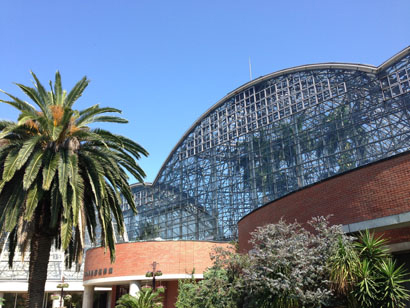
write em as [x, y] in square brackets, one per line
[18, 104]
[63, 176]
[89, 113]
[51, 162]
[26, 116]
[26, 150]
[55, 206]
[66, 231]
[7, 130]
[13, 207]
[24, 234]
[110, 119]
[4, 124]
[10, 165]
[32, 169]
[58, 90]
[12, 246]
[35, 97]
[33, 197]
[76, 92]
[43, 95]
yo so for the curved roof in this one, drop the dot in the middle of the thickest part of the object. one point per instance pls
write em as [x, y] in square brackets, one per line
[308, 67]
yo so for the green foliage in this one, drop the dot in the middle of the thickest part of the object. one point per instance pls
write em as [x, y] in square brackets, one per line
[365, 273]
[342, 264]
[50, 156]
[288, 265]
[146, 298]
[371, 248]
[188, 290]
[213, 291]
[222, 285]
[58, 176]
[291, 267]
[391, 279]
[379, 282]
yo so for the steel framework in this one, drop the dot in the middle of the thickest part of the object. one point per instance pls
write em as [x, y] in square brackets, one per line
[273, 136]
[266, 139]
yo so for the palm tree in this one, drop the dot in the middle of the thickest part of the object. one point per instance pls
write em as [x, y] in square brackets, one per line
[58, 177]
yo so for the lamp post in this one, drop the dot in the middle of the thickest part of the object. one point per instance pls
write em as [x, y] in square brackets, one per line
[153, 274]
[62, 286]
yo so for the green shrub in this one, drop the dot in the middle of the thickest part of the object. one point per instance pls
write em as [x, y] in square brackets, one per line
[146, 298]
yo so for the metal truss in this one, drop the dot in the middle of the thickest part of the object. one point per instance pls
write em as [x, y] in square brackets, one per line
[273, 137]
[266, 140]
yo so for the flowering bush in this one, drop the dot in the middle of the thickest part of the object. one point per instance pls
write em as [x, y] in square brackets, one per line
[290, 266]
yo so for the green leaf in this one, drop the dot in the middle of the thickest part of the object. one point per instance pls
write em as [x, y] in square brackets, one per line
[50, 166]
[33, 196]
[12, 208]
[58, 90]
[51, 95]
[26, 116]
[10, 165]
[17, 103]
[76, 92]
[66, 232]
[32, 169]
[12, 246]
[41, 90]
[56, 131]
[55, 205]
[87, 115]
[7, 130]
[111, 119]
[26, 151]
[63, 127]
[73, 179]
[63, 175]
[32, 93]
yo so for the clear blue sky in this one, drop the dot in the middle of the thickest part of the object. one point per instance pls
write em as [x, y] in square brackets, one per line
[164, 63]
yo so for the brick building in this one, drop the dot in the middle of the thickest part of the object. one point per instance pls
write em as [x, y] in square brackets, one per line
[175, 259]
[319, 139]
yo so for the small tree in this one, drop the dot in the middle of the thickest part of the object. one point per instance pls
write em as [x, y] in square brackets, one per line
[187, 293]
[146, 298]
[222, 285]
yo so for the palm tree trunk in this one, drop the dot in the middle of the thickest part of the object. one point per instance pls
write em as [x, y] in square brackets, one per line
[39, 255]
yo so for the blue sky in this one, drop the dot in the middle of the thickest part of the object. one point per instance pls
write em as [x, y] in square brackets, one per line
[164, 63]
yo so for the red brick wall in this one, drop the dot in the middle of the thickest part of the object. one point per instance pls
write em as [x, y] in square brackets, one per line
[374, 191]
[174, 257]
[394, 236]
[172, 293]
